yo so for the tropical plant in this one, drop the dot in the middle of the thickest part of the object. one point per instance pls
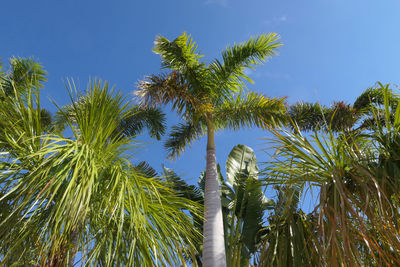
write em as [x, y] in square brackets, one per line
[132, 125]
[357, 215]
[243, 204]
[62, 197]
[22, 76]
[211, 98]
[340, 116]
[286, 241]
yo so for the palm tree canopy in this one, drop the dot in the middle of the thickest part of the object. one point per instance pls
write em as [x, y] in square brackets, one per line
[211, 94]
[140, 117]
[341, 116]
[83, 193]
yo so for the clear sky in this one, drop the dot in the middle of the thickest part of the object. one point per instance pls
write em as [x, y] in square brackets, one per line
[333, 50]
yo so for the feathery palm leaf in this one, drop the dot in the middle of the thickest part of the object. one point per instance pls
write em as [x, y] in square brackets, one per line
[181, 136]
[250, 109]
[226, 76]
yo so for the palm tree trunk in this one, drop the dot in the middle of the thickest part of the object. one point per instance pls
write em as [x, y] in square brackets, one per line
[213, 228]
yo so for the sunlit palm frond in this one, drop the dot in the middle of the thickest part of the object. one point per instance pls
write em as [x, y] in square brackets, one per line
[250, 109]
[227, 76]
[181, 55]
[84, 195]
[22, 121]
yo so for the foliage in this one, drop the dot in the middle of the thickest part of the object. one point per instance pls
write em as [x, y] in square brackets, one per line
[356, 218]
[62, 196]
[210, 95]
[286, 241]
[341, 116]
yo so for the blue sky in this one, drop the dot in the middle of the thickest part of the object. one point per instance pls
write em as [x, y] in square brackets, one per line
[333, 50]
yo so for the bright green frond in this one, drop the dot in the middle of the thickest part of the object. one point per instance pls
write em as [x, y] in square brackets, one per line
[83, 195]
[227, 76]
[22, 121]
[250, 109]
[130, 124]
[178, 54]
[181, 55]
[181, 136]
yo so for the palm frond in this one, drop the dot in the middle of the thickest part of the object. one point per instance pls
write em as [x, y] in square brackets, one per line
[181, 55]
[181, 187]
[373, 96]
[307, 116]
[227, 76]
[181, 136]
[167, 88]
[84, 195]
[250, 109]
[144, 117]
[24, 73]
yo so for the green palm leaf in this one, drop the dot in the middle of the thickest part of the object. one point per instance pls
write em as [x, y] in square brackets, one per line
[250, 109]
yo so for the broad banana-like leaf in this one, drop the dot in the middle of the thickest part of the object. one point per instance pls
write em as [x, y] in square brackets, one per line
[240, 159]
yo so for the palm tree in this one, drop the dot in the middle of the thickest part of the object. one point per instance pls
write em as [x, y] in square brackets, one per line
[23, 75]
[243, 204]
[341, 116]
[356, 215]
[83, 195]
[211, 98]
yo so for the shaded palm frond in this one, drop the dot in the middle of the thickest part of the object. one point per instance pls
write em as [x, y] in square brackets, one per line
[144, 117]
[181, 136]
[373, 96]
[168, 88]
[190, 192]
[307, 116]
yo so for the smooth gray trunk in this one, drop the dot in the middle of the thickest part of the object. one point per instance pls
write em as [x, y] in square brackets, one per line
[213, 228]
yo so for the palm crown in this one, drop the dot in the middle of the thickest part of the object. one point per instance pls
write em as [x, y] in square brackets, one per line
[210, 96]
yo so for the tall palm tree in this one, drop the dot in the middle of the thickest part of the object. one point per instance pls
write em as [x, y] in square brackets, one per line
[83, 195]
[341, 116]
[243, 204]
[210, 97]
